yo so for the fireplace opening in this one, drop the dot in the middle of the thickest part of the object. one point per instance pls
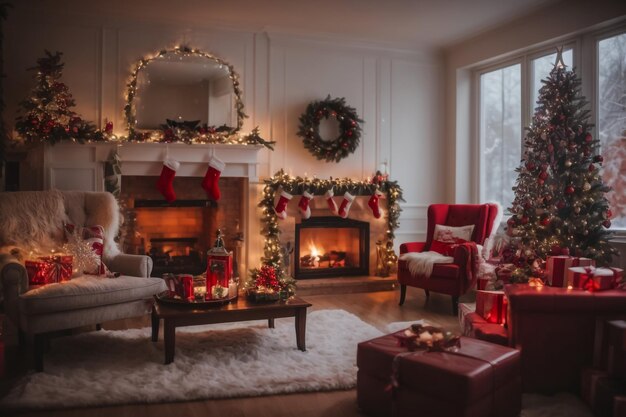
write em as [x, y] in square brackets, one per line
[331, 247]
[178, 235]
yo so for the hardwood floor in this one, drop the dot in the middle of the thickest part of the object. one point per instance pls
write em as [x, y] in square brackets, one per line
[378, 309]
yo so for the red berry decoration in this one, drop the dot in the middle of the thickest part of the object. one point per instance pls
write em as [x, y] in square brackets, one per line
[530, 166]
[569, 190]
[511, 222]
[543, 175]
[545, 221]
[588, 138]
[540, 181]
[591, 167]
[609, 213]
[524, 220]
[606, 223]
[598, 158]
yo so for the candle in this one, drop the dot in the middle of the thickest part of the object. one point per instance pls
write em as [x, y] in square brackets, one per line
[232, 289]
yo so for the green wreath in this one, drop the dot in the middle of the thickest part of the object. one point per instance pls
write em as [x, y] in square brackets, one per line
[349, 127]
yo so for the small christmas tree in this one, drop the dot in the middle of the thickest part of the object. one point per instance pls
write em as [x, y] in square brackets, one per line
[49, 117]
[560, 205]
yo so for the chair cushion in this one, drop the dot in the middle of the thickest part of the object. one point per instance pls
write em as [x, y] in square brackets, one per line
[88, 291]
[450, 271]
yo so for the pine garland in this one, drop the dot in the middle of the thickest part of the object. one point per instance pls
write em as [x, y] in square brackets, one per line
[272, 255]
[349, 127]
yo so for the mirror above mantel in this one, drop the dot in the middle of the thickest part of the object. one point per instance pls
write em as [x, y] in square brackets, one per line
[186, 95]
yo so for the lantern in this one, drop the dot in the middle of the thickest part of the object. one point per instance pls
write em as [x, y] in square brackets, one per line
[219, 270]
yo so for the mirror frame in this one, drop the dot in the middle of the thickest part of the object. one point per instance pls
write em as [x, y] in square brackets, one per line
[230, 136]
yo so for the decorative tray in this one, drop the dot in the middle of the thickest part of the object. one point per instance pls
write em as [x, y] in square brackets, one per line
[166, 297]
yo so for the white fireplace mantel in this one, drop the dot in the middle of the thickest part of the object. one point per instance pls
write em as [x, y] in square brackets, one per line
[71, 166]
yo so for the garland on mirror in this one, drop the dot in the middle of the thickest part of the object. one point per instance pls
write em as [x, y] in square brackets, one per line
[48, 111]
[349, 129]
[189, 132]
[281, 181]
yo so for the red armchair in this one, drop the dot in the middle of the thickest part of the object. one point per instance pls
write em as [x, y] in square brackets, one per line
[450, 278]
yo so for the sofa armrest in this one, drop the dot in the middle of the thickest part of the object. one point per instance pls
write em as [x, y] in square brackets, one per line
[412, 247]
[13, 282]
[133, 265]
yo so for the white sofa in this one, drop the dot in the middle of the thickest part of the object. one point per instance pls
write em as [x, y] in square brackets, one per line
[33, 220]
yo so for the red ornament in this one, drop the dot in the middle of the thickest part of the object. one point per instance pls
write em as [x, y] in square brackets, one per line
[349, 133]
[530, 166]
[588, 138]
[606, 223]
[609, 213]
[560, 205]
[540, 181]
[524, 220]
[598, 158]
[569, 190]
[543, 175]
[545, 221]
[591, 167]
[108, 127]
[511, 222]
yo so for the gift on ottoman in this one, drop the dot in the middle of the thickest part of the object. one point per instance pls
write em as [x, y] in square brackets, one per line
[557, 266]
[480, 379]
[477, 327]
[48, 269]
[491, 305]
[590, 278]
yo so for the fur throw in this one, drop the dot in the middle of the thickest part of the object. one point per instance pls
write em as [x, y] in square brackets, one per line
[33, 220]
[421, 263]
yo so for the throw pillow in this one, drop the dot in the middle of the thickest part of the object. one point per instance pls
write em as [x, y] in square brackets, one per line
[450, 234]
[94, 235]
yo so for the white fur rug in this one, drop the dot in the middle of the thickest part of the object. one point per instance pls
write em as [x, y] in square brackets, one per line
[213, 361]
[422, 263]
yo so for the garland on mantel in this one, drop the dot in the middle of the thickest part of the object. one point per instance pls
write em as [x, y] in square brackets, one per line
[297, 185]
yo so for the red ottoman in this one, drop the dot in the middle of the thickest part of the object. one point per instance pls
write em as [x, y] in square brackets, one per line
[481, 379]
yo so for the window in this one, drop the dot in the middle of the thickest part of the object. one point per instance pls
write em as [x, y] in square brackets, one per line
[541, 68]
[502, 120]
[500, 133]
[612, 121]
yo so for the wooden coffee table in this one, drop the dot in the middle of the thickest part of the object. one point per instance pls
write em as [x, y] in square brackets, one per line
[241, 310]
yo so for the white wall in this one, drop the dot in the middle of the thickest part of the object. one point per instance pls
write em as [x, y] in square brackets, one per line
[397, 92]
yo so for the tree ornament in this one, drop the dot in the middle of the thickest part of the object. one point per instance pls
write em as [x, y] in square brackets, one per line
[586, 186]
[568, 163]
[598, 159]
[588, 138]
[349, 128]
[545, 221]
[606, 223]
[569, 190]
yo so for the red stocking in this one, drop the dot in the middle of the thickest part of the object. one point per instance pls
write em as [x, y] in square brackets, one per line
[344, 209]
[332, 206]
[165, 183]
[304, 204]
[281, 206]
[373, 203]
[211, 177]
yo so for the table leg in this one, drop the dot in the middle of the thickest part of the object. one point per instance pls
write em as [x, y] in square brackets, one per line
[169, 339]
[270, 323]
[301, 328]
[155, 326]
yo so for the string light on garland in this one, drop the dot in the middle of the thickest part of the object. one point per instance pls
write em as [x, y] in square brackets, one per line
[272, 254]
[185, 134]
[349, 129]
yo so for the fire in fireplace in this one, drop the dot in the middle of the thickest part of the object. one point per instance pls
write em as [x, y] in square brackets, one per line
[331, 247]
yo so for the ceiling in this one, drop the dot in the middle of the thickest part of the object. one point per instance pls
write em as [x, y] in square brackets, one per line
[406, 23]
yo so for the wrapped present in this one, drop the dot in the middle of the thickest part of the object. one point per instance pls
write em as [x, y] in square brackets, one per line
[491, 305]
[48, 269]
[180, 286]
[590, 278]
[616, 357]
[557, 266]
[618, 274]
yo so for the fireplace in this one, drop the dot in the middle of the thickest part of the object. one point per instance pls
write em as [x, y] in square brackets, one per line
[331, 247]
[177, 236]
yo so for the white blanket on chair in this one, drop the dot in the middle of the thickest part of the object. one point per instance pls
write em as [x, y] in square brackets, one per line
[421, 263]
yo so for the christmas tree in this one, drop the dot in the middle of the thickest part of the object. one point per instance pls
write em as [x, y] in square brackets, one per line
[49, 115]
[560, 205]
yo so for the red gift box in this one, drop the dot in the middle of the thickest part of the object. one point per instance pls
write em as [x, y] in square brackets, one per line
[557, 266]
[49, 269]
[590, 278]
[491, 305]
[616, 358]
